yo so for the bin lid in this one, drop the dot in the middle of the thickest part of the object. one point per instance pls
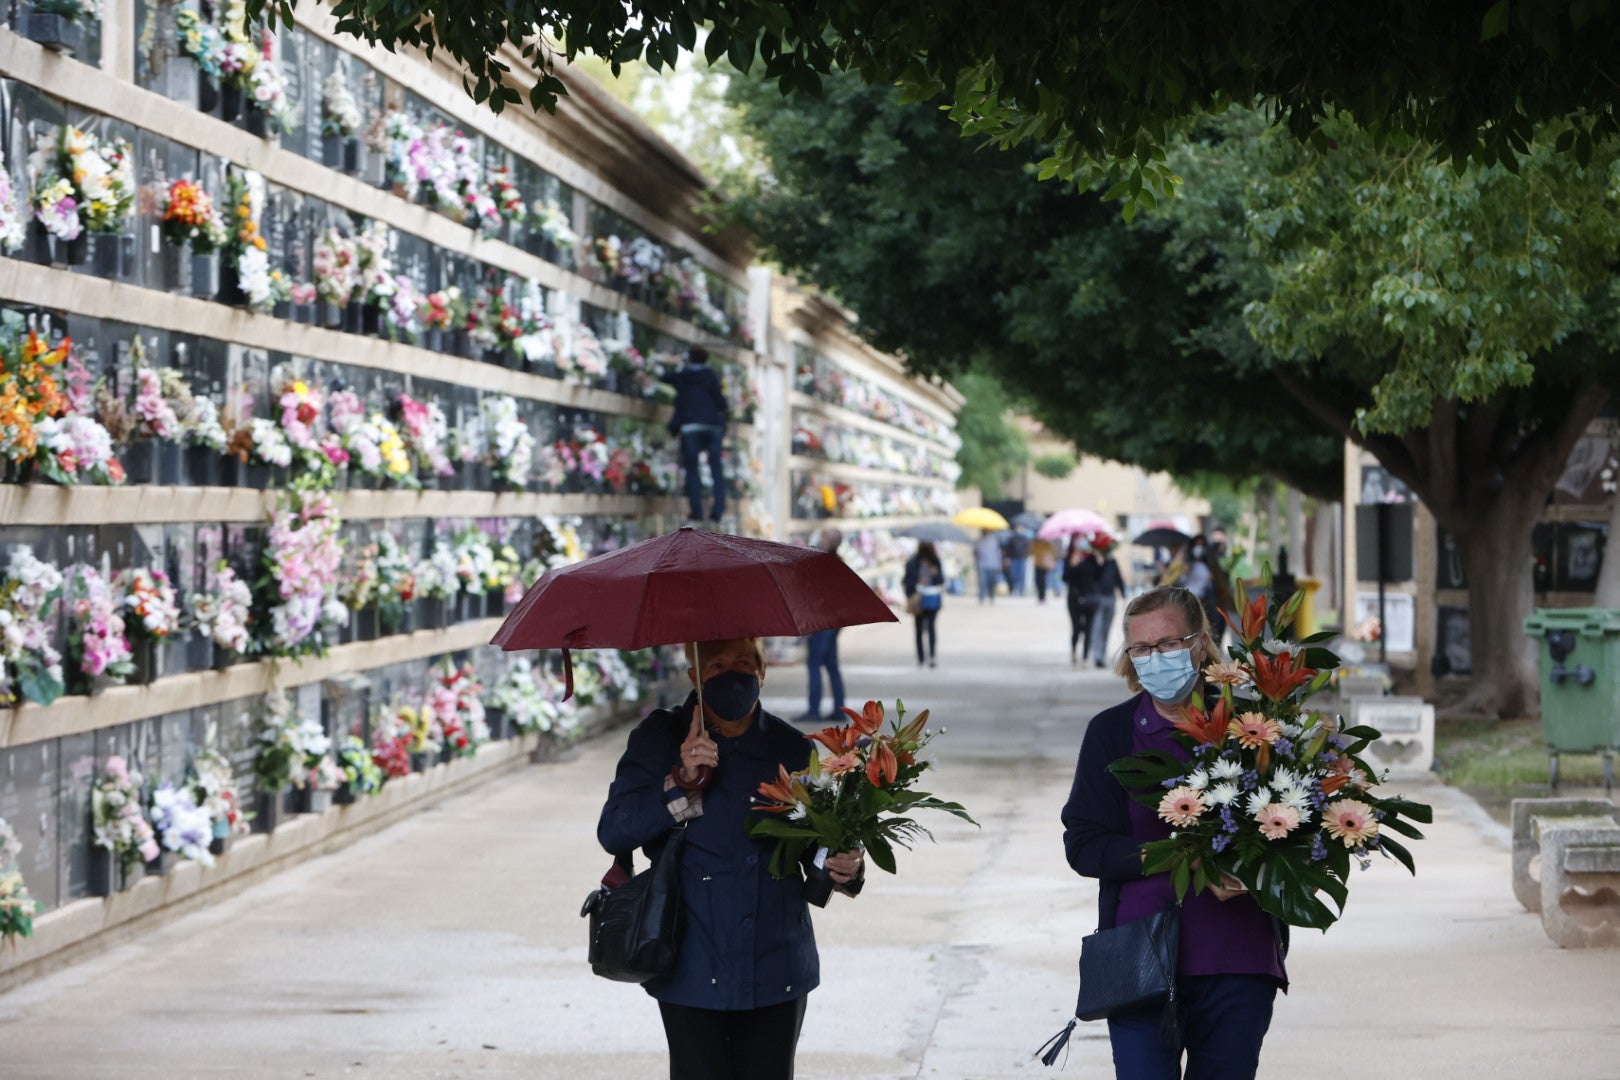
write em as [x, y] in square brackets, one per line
[1588, 620]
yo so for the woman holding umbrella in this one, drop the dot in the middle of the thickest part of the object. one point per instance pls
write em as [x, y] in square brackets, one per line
[734, 1003]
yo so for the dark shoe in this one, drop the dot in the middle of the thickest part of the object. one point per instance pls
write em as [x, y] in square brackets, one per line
[932, 662]
[806, 717]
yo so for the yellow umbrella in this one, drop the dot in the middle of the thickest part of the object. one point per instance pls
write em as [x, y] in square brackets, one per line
[980, 517]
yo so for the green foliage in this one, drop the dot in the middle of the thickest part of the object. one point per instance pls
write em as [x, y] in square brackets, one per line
[1102, 86]
[994, 448]
[1058, 466]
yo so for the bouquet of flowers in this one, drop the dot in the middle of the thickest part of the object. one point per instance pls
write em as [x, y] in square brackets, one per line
[263, 285]
[396, 580]
[184, 826]
[151, 608]
[527, 697]
[1274, 794]
[13, 219]
[200, 40]
[322, 774]
[507, 442]
[442, 309]
[361, 770]
[191, 219]
[455, 704]
[507, 198]
[340, 113]
[96, 638]
[860, 794]
[16, 907]
[115, 814]
[393, 739]
[155, 415]
[214, 790]
[301, 562]
[288, 744]
[222, 613]
[551, 221]
[29, 662]
[81, 182]
[337, 268]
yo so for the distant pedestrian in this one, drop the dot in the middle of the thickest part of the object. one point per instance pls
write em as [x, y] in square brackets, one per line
[1015, 549]
[924, 586]
[987, 560]
[700, 421]
[821, 651]
[1043, 555]
[1106, 583]
[1077, 574]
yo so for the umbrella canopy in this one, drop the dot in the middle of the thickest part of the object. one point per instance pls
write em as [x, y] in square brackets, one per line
[689, 585]
[1029, 519]
[980, 517]
[1071, 523]
[940, 532]
[1162, 536]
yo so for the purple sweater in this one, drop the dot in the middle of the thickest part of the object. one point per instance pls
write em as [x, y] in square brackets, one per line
[1104, 830]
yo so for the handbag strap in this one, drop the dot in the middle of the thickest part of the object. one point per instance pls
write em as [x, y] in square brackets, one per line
[624, 861]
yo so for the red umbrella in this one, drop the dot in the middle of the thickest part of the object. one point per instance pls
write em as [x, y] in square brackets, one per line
[689, 585]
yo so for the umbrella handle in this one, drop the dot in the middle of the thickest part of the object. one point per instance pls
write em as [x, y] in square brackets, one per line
[568, 675]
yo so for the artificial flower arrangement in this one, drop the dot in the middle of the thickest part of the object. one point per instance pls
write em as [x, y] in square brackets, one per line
[552, 222]
[213, 788]
[401, 303]
[392, 135]
[80, 182]
[436, 575]
[455, 704]
[297, 609]
[474, 555]
[223, 611]
[264, 286]
[118, 823]
[1274, 794]
[359, 769]
[586, 360]
[374, 263]
[336, 264]
[155, 415]
[16, 907]
[529, 699]
[13, 217]
[191, 219]
[508, 200]
[151, 608]
[322, 774]
[442, 310]
[250, 63]
[30, 666]
[635, 372]
[314, 457]
[358, 585]
[393, 740]
[289, 744]
[505, 440]
[858, 794]
[183, 827]
[97, 640]
[396, 580]
[200, 40]
[340, 112]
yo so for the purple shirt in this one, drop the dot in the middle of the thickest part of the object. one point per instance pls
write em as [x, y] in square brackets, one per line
[1218, 937]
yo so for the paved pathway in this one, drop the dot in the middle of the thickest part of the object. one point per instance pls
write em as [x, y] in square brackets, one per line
[449, 945]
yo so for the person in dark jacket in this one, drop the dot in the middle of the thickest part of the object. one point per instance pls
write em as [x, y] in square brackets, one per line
[735, 1001]
[821, 652]
[700, 421]
[1079, 574]
[1230, 961]
[1104, 582]
[924, 580]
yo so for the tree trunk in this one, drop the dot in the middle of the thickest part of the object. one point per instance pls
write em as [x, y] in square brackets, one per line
[1297, 562]
[1497, 554]
[1265, 514]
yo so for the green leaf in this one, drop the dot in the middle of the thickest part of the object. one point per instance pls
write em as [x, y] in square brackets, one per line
[1495, 22]
[1397, 849]
[37, 685]
[882, 854]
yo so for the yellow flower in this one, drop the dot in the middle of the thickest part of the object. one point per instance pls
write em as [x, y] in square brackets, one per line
[300, 387]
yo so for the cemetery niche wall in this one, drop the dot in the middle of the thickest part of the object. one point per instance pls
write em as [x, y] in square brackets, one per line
[308, 367]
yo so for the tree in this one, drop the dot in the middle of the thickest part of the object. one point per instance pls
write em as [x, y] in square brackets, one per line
[954, 259]
[994, 449]
[1103, 85]
[1056, 466]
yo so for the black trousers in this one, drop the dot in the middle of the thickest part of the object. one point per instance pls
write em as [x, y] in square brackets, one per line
[744, 1044]
[925, 631]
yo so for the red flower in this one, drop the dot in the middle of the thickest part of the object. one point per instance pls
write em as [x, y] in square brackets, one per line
[1205, 727]
[881, 765]
[868, 720]
[1278, 676]
[1254, 619]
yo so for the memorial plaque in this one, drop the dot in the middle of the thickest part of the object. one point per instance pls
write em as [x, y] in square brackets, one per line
[77, 760]
[28, 803]
[175, 743]
[1579, 555]
[1452, 653]
[238, 739]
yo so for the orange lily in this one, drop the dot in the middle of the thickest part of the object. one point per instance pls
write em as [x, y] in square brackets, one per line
[1278, 676]
[840, 740]
[1254, 619]
[784, 792]
[1206, 727]
[881, 764]
[868, 720]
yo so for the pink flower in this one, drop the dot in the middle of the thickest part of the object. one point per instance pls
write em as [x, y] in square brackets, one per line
[1277, 821]
[1254, 730]
[1351, 821]
[1181, 807]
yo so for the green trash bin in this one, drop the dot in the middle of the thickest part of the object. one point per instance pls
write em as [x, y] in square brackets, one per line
[1579, 661]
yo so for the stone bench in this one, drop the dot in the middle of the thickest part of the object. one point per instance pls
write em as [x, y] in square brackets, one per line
[1577, 845]
[1407, 727]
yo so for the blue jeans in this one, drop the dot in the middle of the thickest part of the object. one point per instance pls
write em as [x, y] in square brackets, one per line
[1017, 575]
[704, 442]
[821, 651]
[988, 576]
[1223, 1020]
[1102, 618]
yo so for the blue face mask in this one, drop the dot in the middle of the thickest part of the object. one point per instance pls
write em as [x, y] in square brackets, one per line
[1167, 677]
[731, 694]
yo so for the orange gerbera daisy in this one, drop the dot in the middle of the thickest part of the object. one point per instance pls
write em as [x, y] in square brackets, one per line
[1277, 821]
[1350, 821]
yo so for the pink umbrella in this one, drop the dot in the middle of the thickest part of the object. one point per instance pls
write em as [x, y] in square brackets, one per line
[1072, 522]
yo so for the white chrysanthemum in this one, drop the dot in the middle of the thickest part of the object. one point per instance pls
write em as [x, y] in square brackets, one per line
[1298, 797]
[1276, 646]
[1225, 769]
[1221, 794]
[1291, 730]
[1198, 779]
[1258, 800]
[1283, 777]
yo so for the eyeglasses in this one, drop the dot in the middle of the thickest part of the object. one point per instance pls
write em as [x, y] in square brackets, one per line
[1143, 650]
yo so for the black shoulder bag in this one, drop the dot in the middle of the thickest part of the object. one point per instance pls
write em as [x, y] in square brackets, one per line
[635, 926]
[1126, 967]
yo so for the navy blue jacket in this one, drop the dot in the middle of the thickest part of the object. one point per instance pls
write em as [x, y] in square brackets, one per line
[748, 941]
[698, 397]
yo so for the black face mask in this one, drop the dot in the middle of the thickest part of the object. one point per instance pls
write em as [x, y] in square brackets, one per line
[731, 694]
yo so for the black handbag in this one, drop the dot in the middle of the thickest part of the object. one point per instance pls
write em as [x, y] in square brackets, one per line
[635, 927]
[1129, 966]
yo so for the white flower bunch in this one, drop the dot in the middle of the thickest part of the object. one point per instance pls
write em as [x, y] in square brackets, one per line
[340, 113]
[184, 826]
